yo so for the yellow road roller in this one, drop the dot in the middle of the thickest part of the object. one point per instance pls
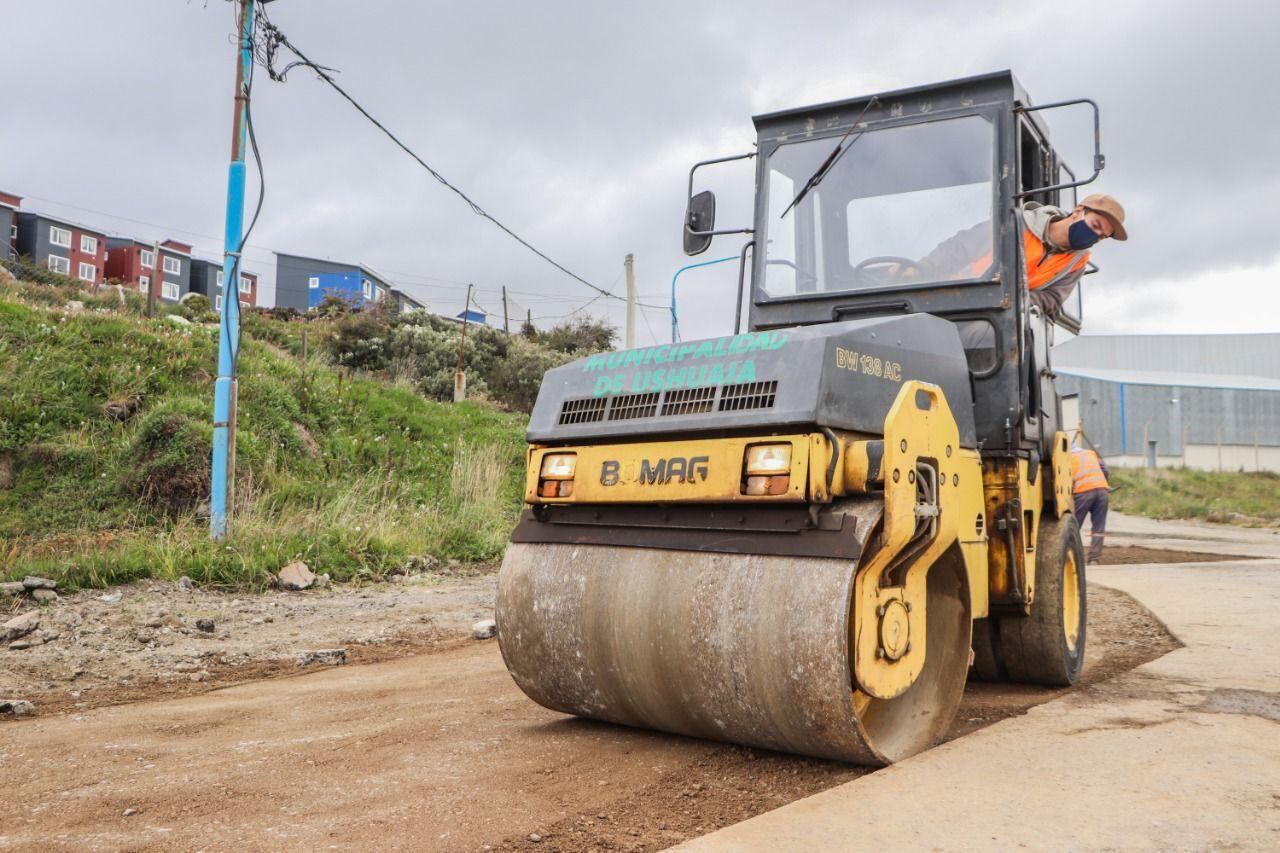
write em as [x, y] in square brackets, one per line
[807, 535]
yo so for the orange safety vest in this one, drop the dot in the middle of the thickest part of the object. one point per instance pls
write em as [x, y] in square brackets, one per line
[1043, 268]
[1086, 471]
[1046, 268]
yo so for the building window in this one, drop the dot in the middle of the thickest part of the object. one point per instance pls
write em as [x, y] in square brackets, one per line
[88, 245]
[60, 265]
[246, 285]
[217, 303]
[144, 284]
[60, 236]
[244, 304]
[148, 258]
[368, 289]
[314, 282]
[173, 265]
[220, 278]
[88, 272]
[13, 232]
[169, 290]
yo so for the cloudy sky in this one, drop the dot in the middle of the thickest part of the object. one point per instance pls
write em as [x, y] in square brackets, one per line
[576, 122]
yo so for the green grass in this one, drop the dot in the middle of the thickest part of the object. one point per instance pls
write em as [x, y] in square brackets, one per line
[1233, 497]
[352, 474]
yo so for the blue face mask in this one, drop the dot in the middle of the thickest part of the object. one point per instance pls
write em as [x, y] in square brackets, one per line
[1081, 236]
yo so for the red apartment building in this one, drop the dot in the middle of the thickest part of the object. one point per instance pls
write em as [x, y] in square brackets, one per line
[9, 204]
[134, 264]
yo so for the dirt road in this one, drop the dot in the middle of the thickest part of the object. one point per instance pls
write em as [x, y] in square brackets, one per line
[437, 751]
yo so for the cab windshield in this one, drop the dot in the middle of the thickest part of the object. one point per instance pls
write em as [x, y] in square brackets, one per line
[903, 205]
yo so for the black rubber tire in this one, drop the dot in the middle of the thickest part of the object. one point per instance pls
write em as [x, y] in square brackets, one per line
[987, 664]
[1034, 649]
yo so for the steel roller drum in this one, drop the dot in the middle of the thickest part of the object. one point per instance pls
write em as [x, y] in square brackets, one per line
[747, 649]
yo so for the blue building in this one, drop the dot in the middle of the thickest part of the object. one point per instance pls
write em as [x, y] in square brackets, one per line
[303, 282]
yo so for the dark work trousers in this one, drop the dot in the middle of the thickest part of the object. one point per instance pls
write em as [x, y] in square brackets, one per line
[1093, 504]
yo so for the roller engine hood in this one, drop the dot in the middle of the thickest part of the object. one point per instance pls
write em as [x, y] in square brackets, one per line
[841, 375]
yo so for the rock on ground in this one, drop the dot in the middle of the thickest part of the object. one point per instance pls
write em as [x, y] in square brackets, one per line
[296, 576]
[44, 596]
[12, 588]
[33, 582]
[326, 657]
[17, 707]
[484, 629]
[20, 626]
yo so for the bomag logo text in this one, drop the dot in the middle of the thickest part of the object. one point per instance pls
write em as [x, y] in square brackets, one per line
[678, 469]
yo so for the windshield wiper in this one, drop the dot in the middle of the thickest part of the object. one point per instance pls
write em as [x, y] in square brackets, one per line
[832, 159]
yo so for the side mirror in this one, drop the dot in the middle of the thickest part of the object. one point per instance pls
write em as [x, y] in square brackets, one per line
[699, 222]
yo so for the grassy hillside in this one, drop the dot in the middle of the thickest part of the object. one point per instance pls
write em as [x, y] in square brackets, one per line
[1224, 496]
[105, 437]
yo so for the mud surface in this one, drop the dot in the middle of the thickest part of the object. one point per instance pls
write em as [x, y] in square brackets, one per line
[433, 752]
[1130, 555]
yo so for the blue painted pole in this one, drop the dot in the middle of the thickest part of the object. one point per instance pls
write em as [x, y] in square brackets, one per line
[675, 326]
[224, 388]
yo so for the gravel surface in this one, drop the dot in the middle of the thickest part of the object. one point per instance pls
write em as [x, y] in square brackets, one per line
[152, 639]
[436, 751]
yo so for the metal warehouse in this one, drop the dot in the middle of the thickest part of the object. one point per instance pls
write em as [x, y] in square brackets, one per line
[1204, 401]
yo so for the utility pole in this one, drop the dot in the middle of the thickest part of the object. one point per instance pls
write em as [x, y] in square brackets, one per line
[156, 280]
[629, 263]
[222, 479]
[506, 321]
[460, 378]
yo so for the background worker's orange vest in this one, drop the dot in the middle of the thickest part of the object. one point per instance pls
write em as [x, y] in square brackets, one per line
[1086, 471]
[1044, 268]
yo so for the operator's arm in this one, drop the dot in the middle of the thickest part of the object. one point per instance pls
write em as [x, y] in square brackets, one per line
[953, 257]
[1050, 299]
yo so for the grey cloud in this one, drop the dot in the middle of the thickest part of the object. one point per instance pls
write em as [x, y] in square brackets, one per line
[576, 123]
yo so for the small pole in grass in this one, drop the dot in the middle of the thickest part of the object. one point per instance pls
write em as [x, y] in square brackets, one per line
[460, 378]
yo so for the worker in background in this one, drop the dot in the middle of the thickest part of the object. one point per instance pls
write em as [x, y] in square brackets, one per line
[1089, 479]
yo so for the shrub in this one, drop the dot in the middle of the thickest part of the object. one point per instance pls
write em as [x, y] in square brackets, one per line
[578, 337]
[169, 461]
[515, 380]
[197, 309]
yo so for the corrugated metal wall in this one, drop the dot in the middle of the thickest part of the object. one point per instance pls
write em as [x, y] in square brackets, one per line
[1168, 414]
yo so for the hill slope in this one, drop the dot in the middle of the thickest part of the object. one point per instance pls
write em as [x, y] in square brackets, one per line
[104, 442]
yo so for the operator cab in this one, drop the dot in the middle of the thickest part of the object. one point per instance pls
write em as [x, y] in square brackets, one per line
[910, 202]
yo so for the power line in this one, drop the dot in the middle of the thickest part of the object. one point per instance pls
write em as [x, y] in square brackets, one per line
[267, 49]
[644, 315]
[265, 253]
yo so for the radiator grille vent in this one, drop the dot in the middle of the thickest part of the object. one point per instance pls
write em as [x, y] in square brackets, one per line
[689, 401]
[584, 411]
[630, 406]
[748, 395]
